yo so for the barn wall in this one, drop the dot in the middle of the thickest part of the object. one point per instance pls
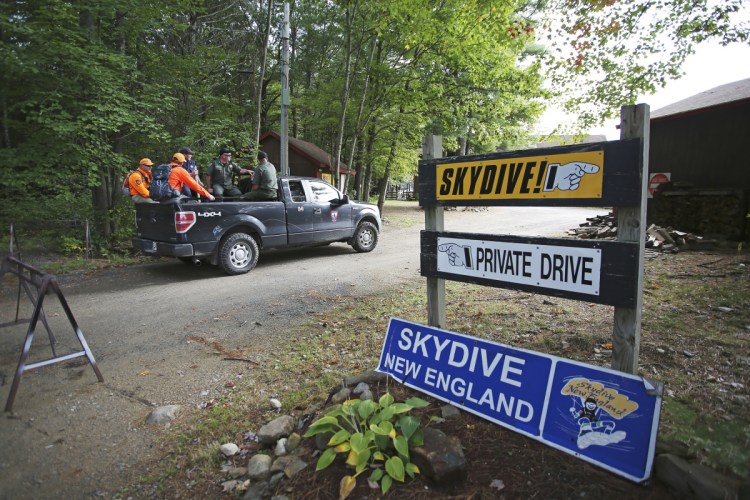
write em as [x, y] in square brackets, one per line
[706, 152]
[707, 149]
[298, 164]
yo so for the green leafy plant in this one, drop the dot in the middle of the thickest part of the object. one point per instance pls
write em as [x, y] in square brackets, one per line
[376, 436]
[70, 244]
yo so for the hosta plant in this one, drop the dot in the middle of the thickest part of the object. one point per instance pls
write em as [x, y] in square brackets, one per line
[375, 436]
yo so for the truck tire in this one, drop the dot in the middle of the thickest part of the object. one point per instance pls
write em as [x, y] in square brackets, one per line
[238, 253]
[365, 237]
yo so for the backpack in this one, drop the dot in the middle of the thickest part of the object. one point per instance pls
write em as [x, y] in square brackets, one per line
[126, 183]
[160, 190]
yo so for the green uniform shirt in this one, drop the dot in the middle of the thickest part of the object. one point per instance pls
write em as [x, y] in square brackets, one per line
[222, 174]
[265, 176]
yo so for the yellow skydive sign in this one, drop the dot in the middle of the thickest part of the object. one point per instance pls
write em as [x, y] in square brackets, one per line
[569, 175]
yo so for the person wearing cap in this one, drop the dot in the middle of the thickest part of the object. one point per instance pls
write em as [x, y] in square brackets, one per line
[139, 181]
[191, 168]
[179, 177]
[264, 181]
[219, 175]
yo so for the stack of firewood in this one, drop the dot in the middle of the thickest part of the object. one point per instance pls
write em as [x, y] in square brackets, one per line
[657, 238]
[714, 213]
[601, 226]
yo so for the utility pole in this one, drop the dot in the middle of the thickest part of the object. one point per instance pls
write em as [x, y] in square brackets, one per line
[284, 133]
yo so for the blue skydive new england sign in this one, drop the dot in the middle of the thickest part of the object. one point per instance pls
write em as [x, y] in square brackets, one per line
[602, 416]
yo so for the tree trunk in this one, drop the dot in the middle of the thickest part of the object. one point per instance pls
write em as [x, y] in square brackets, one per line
[358, 123]
[6, 130]
[367, 181]
[101, 193]
[262, 86]
[383, 184]
[101, 205]
[462, 146]
[360, 167]
[344, 96]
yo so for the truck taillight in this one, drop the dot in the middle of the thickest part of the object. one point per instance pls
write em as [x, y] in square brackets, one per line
[183, 221]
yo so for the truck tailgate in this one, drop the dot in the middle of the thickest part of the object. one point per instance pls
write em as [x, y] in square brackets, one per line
[156, 222]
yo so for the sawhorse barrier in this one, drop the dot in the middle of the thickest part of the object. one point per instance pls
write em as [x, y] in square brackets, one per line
[37, 285]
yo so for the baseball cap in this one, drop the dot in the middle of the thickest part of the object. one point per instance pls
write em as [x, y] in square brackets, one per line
[262, 154]
[178, 157]
[145, 161]
[186, 151]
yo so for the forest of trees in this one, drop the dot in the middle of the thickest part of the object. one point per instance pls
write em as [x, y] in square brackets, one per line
[88, 87]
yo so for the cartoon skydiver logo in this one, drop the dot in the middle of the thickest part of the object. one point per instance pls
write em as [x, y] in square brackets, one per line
[593, 427]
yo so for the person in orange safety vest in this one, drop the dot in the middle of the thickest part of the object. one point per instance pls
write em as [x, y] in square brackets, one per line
[180, 177]
[139, 181]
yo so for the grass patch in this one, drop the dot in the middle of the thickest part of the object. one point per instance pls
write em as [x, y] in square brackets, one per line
[701, 352]
[721, 444]
[400, 214]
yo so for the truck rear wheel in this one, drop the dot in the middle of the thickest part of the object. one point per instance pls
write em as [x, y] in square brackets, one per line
[365, 237]
[238, 253]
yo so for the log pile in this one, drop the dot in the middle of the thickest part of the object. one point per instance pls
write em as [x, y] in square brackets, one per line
[599, 227]
[657, 238]
[713, 213]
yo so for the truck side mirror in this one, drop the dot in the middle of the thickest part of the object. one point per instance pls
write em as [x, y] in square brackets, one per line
[341, 201]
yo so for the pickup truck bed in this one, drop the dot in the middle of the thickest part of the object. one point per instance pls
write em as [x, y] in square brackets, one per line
[231, 234]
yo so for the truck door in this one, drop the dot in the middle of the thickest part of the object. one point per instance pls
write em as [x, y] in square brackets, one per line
[332, 219]
[299, 215]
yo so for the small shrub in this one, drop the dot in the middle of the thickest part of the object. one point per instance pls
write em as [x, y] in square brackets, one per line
[375, 436]
[71, 245]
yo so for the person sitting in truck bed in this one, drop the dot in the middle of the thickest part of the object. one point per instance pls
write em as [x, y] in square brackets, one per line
[191, 168]
[264, 181]
[219, 175]
[139, 180]
[180, 178]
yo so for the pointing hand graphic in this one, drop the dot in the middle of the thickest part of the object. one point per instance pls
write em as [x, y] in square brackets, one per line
[458, 255]
[568, 176]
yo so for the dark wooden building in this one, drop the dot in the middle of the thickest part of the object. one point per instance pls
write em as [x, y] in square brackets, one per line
[702, 141]
[305, 159]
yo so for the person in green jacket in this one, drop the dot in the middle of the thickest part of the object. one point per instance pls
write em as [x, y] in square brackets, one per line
[219, 175]
[264, 181]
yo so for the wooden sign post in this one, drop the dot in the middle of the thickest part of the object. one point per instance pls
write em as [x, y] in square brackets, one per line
[605, 174]
[631, 227]
[434, 220]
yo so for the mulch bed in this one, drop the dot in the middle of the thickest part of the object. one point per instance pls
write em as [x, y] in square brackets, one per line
[527, 469]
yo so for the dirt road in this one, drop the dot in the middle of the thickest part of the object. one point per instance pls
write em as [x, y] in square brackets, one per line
[161, 332]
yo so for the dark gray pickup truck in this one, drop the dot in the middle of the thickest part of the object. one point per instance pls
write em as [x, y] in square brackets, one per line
[230, 234]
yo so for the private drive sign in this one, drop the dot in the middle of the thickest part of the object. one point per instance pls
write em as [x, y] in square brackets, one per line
[584, 270]
[546, 266]
[600, 415]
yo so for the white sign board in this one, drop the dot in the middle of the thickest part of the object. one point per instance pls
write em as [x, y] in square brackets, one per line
[573, 269]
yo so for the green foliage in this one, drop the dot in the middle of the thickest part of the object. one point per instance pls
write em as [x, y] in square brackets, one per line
[605, 54]
[376, 436]
[88, 88]
[721, 442]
